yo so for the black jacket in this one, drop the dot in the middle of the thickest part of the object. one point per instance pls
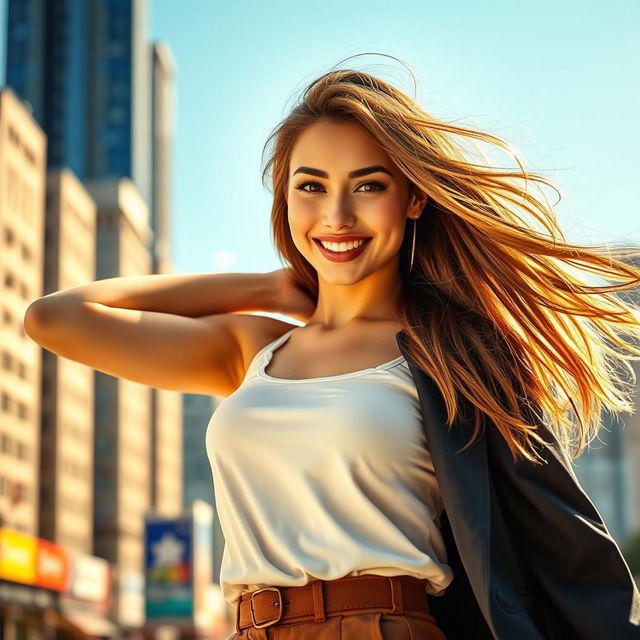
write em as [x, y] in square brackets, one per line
[531, 555]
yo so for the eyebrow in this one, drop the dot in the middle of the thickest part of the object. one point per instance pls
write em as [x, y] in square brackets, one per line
[356, 173]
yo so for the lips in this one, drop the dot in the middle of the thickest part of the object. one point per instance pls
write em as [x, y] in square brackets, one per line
[342, 256]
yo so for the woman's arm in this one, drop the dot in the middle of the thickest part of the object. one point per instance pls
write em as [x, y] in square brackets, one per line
[174, 332]
[191, 295]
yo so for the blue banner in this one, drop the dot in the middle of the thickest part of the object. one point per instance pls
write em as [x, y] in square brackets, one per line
[168, 579]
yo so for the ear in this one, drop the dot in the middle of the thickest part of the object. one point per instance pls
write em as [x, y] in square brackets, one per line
[417, 201]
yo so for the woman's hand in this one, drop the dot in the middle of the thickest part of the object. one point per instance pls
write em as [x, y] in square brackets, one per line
[291, 300]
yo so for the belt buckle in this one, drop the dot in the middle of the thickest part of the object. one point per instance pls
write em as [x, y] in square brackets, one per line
[269, 622]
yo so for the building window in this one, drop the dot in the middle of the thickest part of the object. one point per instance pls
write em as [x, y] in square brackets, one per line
[8, 236]
[21, 450]
[23, 412]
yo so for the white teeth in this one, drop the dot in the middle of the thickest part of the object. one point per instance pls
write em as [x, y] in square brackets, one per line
[342, 246]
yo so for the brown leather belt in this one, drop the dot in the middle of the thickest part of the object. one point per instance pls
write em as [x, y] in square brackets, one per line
[320, 599]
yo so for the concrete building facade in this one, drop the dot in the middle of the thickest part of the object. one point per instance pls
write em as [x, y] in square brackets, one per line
[122, 413]
[66, 455]
[22, 198]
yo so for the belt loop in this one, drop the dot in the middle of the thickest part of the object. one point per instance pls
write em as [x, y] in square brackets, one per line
[317, 588]
[238, 615]
[396, 595]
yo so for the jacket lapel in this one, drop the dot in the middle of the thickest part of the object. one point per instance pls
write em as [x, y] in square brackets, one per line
[464, 485]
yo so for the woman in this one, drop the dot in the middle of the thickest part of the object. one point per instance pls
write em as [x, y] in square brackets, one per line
[399, 466]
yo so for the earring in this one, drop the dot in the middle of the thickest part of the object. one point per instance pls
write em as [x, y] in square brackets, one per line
[413, 244]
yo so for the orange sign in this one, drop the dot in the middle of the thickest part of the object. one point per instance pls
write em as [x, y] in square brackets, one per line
[52, 566]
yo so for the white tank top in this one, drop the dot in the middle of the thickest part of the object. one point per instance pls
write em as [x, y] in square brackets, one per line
[322, 478]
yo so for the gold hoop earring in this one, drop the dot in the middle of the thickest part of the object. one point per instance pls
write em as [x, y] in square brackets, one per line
[413, 244]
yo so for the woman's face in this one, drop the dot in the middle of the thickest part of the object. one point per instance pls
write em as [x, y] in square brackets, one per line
[325, 200]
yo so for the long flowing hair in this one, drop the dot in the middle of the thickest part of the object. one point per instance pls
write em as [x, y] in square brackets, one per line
[495, 310]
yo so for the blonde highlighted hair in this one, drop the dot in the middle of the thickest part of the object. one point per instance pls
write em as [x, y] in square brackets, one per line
[496, 311]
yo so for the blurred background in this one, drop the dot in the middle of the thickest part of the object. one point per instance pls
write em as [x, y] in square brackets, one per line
[131, 134]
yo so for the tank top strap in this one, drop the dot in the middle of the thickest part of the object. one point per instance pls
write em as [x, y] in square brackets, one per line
[263, 354]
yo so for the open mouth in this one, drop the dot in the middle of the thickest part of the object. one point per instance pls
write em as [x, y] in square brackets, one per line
[342, 256]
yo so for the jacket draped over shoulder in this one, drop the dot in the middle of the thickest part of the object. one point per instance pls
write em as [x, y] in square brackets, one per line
[532, 557]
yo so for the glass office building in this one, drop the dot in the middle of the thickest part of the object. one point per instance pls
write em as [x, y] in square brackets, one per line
[84, 68]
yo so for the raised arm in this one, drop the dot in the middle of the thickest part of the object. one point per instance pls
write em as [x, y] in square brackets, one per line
[178, 332]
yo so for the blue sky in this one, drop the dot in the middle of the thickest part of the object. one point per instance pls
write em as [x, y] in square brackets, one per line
[554, 79]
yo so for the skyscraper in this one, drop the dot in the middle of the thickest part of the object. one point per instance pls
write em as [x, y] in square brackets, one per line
[85, 69]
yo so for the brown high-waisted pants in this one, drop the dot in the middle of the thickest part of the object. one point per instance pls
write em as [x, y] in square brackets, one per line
[354, 625]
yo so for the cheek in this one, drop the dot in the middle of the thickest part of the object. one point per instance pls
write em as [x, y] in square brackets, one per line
[301, 223]
[386, 218]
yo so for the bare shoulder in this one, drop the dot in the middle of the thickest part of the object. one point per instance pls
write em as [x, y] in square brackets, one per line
[252, 333]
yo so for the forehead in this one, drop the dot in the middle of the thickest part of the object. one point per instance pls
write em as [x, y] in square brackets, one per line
[326, 144]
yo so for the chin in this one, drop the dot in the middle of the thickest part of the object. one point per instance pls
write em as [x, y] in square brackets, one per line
[334, 277]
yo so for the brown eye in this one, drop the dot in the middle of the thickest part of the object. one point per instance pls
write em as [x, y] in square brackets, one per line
[302, 186]
[379, 186]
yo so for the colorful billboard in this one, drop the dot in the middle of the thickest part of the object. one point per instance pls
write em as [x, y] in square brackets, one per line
[34, 561]
[168, 578]
[178, 567]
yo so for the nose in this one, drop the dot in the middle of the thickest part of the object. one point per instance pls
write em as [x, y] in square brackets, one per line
[339, 214]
